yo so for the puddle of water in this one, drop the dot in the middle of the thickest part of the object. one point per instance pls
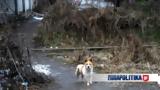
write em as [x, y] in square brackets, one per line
[57, 74]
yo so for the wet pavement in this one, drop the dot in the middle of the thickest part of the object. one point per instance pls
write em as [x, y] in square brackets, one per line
[66, 80]
[64, 74]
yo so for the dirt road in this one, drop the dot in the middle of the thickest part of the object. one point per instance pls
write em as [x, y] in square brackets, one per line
[63, 73]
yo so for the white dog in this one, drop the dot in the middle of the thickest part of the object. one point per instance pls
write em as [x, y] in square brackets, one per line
[85, 71]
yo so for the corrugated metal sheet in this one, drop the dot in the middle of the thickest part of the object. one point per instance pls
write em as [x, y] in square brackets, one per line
[27, 5]
[20, 5]
[10, 5]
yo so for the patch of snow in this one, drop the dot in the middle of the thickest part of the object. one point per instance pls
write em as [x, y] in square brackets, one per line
[38, 18]
[42, 68]
[95, 3]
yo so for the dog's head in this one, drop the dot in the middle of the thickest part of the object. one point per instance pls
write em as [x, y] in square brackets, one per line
[88, 64]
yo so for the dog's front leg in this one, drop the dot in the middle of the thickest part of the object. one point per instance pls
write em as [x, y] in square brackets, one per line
[87, 79]
[90, 79]
[88, 83]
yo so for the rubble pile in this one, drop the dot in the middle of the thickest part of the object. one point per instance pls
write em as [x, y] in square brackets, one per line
[15, 68]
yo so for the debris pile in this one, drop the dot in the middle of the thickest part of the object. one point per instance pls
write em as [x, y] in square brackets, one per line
[15, 68]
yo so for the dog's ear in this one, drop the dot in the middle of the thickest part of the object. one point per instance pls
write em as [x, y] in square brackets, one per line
[91, 59]
[85, 60]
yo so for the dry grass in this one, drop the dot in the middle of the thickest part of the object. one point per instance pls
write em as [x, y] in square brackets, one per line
[66, 25]
[115, 61]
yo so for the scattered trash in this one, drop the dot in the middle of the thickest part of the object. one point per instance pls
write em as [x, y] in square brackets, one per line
[38, 16]
[15, 66]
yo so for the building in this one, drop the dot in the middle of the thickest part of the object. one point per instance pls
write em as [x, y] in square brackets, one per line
[16, 6]
[10, 8]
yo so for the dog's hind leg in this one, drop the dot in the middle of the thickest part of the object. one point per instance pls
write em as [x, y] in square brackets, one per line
[77, 73]
[82, 76]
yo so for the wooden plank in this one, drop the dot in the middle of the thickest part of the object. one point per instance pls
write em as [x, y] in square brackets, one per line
[87, 48]
[48, 49]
